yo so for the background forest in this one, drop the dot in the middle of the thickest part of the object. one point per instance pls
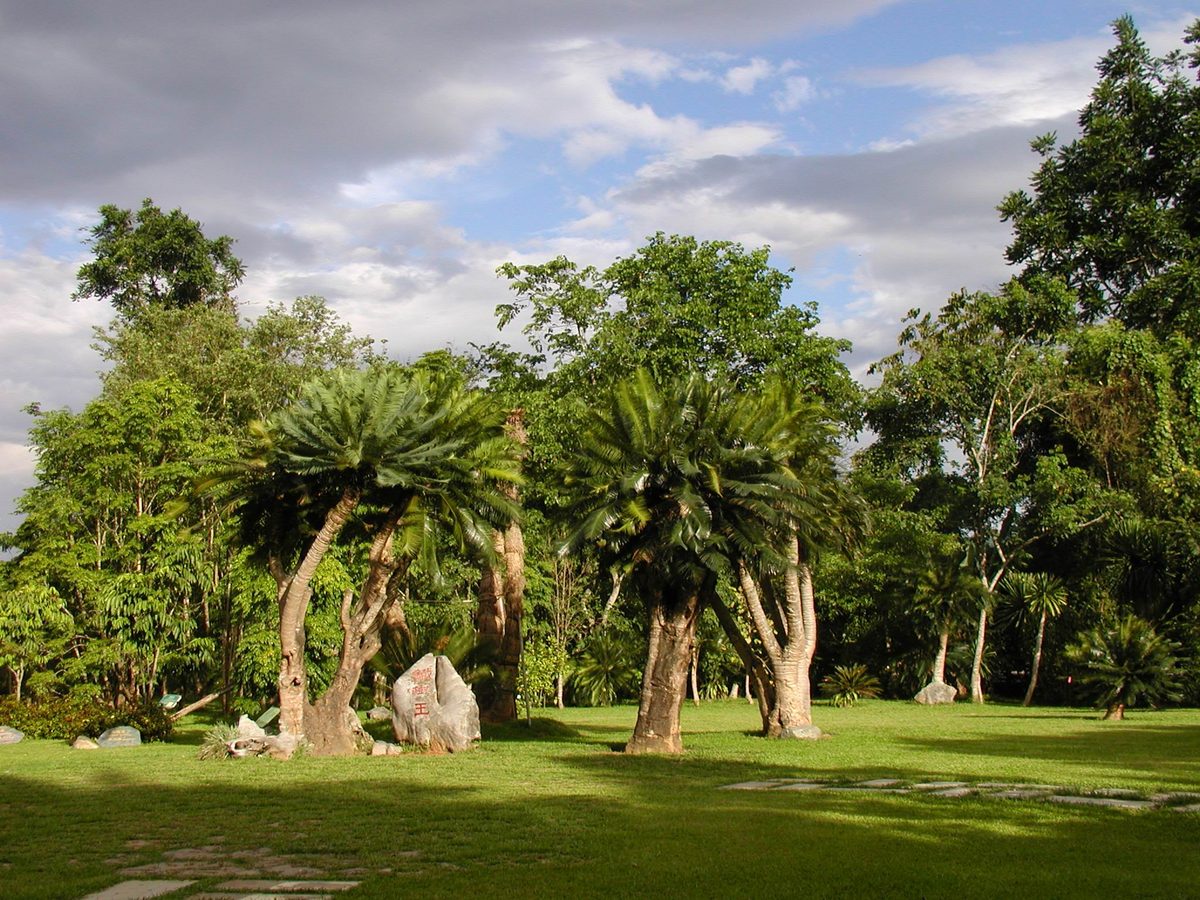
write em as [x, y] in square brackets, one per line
[668, 467]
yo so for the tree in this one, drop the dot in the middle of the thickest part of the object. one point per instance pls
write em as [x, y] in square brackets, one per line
[156, 259]
[1043, 597]
[1126, 662]
[1114, 213]
[380, 458]
[976, 378]
[680, 481]
[948, 594]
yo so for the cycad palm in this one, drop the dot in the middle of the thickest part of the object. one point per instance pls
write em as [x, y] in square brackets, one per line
[403, 454]
[674, 482]
[1125, 662]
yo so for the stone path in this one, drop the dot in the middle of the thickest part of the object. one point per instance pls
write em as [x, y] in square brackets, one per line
[1112, 798]
[238, 889]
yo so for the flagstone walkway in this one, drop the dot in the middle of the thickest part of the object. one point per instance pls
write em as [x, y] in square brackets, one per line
[238, 889]
[1113, 798]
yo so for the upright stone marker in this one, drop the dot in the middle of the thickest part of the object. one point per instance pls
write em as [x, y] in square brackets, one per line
[433, 707]
[120, 736]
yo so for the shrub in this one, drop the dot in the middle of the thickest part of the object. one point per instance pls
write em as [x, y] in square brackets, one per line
[216, 741]
[849, 684]
[66, 719]
[1124, 662]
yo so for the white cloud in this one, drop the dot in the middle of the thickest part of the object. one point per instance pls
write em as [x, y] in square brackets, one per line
[797, 90]
[744, 79]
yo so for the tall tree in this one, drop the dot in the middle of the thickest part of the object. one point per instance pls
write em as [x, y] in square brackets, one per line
[1043, 597]
[150, 258]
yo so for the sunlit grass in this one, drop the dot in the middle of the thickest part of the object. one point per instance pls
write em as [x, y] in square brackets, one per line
[553, 811]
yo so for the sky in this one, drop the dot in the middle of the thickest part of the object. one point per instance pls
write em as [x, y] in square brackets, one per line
[389, 155]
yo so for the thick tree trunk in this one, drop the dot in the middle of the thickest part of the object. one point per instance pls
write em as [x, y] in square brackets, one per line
[1037, 662]
[977, 664]
[664, 682]
[1116, 712]
[501, 608]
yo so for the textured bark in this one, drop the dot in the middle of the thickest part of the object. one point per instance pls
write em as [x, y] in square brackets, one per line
[501, 608]
[939, 664]
[664, 682]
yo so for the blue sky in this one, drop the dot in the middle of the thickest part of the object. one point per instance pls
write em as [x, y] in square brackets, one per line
[390, 155]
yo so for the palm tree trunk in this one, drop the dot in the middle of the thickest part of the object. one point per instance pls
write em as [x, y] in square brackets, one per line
[939, 663]
[1037, 661]
[664, 682]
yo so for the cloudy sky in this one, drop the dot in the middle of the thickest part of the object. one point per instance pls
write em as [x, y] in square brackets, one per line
[389, 154]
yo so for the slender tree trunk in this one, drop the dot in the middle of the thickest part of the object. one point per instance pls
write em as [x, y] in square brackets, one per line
[664, 682]
[558, 691]
[939, 664]
[695, 675]
[1037, 662]
[977, 664]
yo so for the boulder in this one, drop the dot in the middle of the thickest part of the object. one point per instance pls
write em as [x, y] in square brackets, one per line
[433, 707]
[803, 732]
[248, 728]
[83, 742]
[379, 713]
[120, 736]
[936, 693]
[9, 735]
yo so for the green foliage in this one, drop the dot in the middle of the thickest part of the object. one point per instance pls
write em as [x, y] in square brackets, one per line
[150, 258]
[215, 744]
[1127, 661]
[67, 719]
[846, 685]
[606, 670]
[540, 663]
[471, 657]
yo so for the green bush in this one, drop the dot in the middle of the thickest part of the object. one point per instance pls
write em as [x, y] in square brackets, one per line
[66, 719]
[849, 684]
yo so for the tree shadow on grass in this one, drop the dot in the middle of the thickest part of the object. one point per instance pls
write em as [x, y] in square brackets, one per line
[516, 822]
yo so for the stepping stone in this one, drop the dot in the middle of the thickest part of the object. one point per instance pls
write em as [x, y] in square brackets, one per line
[938, 785]
[752, 786]
[1174, 797]
[802, 786]
[138, 890]
[1192, 808]
[1021, 795]
[237, 895]
[880, 783]
[1110, 802]
[1010, 786]
[1122, 793]
[289, 887]
[953, 792]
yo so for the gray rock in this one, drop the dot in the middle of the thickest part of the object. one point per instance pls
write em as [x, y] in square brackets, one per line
[9, 735]
[433, 707]
[939, 785]
[83, 742]
[379, 713]
[880, 783]
[120, 736]
[1110, 802]
[936, 693]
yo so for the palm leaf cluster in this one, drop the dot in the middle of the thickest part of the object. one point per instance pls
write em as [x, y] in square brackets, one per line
[684, 476]
[1125, 662]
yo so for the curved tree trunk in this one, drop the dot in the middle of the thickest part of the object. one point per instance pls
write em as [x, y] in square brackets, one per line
[293, 594]
[755, 670]
[1037, 662]
[664, 682]
[939, 663]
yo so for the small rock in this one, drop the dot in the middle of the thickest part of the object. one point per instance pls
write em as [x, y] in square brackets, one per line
[935, 694]
[953, 792]
[803, 732]
[83, 742]
[938, 785]
[379, 713]
[9, 735]
[379, 748]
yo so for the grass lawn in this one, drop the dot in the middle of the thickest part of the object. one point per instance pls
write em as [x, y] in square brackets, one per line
[552, 811]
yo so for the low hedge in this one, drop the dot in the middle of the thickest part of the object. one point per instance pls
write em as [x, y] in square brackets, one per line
[67, 719]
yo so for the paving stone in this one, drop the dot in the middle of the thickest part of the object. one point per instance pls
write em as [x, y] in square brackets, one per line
[880, 783]
[802, 786]
[1123, 793]
[751, 786]
[259, 884]
[1012, 786]
[1110, 802]
[237, 895]
[1191, 808]
[1020, 795]
[1174, 797]
[953, 792]
[938, 785]
[138, 890]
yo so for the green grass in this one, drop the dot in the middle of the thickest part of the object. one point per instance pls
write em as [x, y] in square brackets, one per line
[553, 811]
